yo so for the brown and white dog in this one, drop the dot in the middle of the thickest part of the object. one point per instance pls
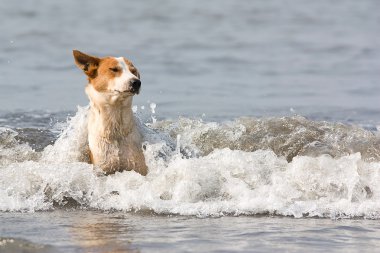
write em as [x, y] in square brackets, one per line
[113, 137]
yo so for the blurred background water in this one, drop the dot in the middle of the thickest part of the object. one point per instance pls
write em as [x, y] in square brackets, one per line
[223, 58]
[216, 60]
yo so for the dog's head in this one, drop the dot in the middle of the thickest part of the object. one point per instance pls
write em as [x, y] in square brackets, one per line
[113, 79]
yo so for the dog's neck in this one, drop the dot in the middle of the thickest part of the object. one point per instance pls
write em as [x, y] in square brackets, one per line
[113, 120]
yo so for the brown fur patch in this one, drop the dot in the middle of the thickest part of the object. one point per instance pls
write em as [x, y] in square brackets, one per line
[87, 63]
[105, 73]
[91, 157]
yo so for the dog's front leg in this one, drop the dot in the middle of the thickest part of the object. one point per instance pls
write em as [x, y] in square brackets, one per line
[136, 161]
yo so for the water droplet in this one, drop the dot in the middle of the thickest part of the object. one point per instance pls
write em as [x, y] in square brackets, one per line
[153, 107]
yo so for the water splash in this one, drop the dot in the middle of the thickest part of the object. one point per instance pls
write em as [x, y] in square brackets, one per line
[281, 166]
[153, 110]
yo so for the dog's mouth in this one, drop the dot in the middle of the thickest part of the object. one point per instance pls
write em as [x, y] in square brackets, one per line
[129, 92]
[134, 91]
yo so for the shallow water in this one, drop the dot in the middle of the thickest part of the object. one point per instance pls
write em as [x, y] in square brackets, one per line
[277, 147]
[91, 231]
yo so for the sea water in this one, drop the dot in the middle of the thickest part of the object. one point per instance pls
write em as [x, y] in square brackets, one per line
[254, 170]
[260, 122]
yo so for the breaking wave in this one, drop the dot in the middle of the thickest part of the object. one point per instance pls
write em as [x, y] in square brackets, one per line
[278, 166]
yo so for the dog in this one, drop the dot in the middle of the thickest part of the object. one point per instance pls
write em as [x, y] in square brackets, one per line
[114, 140]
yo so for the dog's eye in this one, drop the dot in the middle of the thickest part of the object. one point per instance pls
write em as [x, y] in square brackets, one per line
[114, 70]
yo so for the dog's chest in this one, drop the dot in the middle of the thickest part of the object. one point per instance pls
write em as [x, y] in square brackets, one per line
[112, 155]
[114, 141]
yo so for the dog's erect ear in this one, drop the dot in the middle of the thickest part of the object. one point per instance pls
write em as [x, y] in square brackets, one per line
[89, 64]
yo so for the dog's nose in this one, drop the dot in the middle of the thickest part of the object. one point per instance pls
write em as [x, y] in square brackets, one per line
[136, 84]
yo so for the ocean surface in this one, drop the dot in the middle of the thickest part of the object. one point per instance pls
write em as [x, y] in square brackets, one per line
[261, 126]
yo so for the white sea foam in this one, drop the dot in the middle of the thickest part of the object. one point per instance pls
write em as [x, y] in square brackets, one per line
[200, 176]
[11, 150]
[72, 142]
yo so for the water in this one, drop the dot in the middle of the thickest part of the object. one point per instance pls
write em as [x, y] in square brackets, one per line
[261, 124]
[126, 232]
[221, 58]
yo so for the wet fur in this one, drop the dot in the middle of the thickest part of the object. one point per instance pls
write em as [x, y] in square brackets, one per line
[114, 139]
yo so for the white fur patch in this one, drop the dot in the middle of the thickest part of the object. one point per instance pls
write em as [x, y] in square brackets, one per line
[122, 82]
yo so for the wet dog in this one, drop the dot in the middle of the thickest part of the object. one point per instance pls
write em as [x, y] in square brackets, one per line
[113, 137]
